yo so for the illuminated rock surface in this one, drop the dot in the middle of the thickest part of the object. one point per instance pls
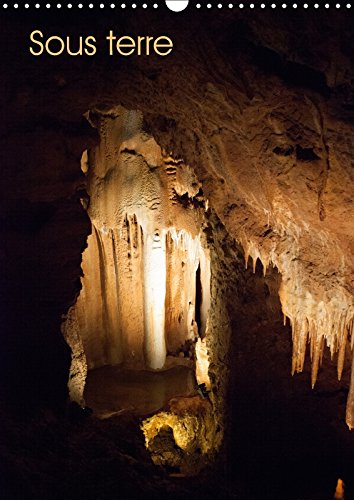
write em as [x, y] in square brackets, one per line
[144, 258]
[183, 436]
[146, 286]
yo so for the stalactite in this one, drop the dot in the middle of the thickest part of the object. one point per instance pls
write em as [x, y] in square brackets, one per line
[252, 250]
[159, 273]
[341, 353]
[326, 322]
[299, 334]
[129, 266]
[182, 263]
[102, 262]
[317, 349]
[315, 318]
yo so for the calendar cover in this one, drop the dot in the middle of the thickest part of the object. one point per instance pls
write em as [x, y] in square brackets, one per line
[176, 249]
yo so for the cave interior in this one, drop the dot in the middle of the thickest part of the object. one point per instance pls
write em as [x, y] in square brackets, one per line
[177, 257]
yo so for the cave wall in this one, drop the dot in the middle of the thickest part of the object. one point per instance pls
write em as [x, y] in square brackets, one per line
[144, 258]
[41, 256]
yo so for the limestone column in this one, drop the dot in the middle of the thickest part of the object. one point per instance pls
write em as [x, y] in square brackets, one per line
[154, 300]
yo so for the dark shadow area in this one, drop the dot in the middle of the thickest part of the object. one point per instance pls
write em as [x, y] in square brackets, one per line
[78, 456]
[198, 301]
[292, 73]
[241, 41]
[287, 440]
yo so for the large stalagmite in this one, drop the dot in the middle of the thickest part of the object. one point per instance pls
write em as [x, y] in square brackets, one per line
[154, 300]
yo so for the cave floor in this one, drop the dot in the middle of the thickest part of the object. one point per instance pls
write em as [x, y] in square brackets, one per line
[114, 390]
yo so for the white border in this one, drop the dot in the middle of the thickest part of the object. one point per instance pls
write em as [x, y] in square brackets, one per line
[101, 5]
